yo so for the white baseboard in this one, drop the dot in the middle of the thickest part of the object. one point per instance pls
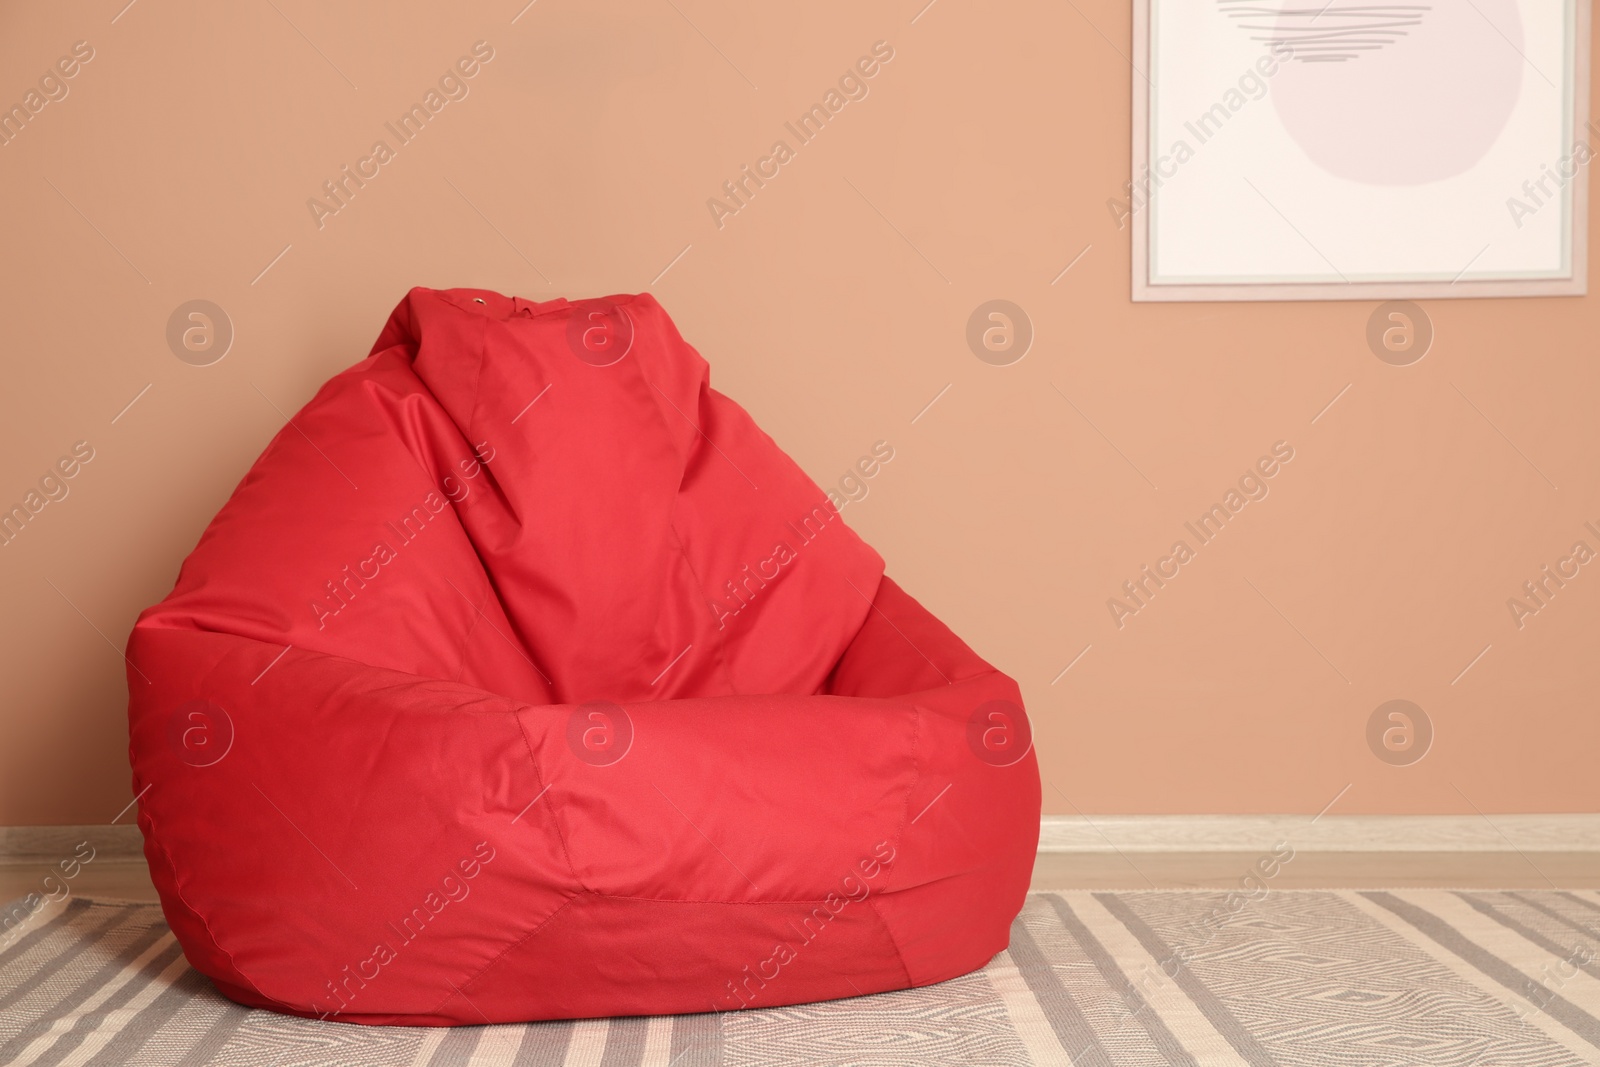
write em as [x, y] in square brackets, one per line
[1330, 833]
[1096, 833]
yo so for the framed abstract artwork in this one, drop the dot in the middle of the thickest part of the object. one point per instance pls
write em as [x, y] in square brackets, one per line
[1338, 149]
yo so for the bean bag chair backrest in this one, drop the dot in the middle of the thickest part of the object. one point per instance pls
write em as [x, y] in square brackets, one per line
[373, 784]
[604, 522]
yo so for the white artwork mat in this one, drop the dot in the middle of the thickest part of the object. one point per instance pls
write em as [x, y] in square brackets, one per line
[1348, 145]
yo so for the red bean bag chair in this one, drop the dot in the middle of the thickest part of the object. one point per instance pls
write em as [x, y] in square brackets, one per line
[524, 677]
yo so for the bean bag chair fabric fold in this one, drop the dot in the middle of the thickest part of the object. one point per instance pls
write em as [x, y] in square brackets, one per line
[523, 677]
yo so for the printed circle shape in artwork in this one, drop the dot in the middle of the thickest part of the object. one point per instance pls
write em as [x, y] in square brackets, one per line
[1421, 94]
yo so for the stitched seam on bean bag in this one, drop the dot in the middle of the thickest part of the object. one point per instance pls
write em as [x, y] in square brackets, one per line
[477, 384]
[177, 887]
[888, 933]
[899, 836]
[722, 642]
[685, 900]
[916, 780]
[519, 942]
[498, 956]
[466, 639]
[555, 821]
[672, 525]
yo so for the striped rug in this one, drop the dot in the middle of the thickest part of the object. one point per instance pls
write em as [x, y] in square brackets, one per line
[1295, 977]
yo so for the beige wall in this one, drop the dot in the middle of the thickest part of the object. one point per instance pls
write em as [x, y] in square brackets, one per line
[834, 307]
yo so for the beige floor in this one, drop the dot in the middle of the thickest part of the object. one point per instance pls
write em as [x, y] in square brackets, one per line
[129, 880]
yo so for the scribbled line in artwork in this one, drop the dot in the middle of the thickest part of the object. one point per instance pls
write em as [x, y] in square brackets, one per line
[1325, 31]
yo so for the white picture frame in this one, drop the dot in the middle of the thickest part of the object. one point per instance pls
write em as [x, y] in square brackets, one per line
[1363, 157]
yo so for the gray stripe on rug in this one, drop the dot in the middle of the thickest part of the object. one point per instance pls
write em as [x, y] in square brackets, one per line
[1139, 1008]
[544, 1045]
[697, 1041]
[1557, 1007]
[86, 988]
[1223, 1020]
[58, 962]
[457, 1047]
[1528, 933]
[87, 1023]
[625, 1042]
[146, 1024]
[70, 913]
[1071, 1026]
[1591, 905]
[208, 1049]
[1556, 915]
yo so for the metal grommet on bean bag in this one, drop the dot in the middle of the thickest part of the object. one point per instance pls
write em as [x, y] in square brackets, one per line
[524, 677]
